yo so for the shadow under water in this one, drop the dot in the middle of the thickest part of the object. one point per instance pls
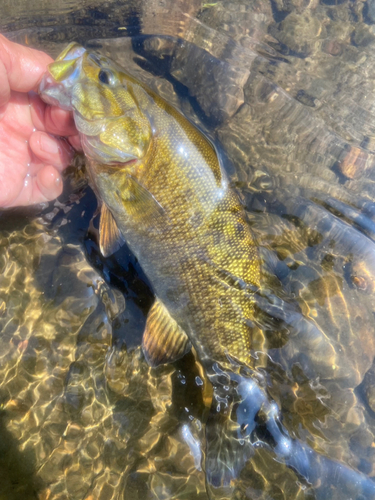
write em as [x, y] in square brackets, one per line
[18, 470]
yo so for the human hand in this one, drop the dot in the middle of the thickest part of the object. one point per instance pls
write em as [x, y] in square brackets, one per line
[35, 139]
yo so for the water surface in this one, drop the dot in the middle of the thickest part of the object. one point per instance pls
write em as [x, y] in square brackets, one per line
[285, 89]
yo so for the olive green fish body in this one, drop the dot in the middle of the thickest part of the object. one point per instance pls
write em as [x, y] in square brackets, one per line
[162, 183]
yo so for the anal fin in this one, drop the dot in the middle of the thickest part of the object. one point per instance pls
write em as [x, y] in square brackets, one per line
[164, 341]
[110, 238]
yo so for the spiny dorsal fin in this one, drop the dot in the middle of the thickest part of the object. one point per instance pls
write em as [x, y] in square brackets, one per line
[110, 238]
[163, 340]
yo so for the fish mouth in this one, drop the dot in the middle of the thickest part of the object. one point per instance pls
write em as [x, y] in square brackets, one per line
[54, 93]
[59, 93]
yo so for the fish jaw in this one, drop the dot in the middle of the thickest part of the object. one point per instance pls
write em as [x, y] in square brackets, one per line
[55, 93]
[56, 85]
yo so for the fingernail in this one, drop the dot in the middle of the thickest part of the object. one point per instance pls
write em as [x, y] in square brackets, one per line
[48, 144]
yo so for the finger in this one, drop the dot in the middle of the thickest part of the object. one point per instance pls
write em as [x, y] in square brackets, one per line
[59, 122]
[37, 111]
[75, 141]
[17, 118]
[4, 86]
[51, 150]
[23, 66]
[44, 186]
[48, 183]
[10, 187]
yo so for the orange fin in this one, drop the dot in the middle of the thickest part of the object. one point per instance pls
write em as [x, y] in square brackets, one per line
[163, 340]
[110, 238]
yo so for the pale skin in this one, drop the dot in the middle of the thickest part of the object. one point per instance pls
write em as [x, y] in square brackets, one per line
[37, 141]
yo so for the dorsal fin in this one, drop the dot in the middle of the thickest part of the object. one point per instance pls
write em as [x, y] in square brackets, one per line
[163, 340]
[110, 238]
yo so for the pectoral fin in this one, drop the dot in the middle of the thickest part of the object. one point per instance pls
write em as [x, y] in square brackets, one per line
[163, 340]
[141, 197]
[110, 238]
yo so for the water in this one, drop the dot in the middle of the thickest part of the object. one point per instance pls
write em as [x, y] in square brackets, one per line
[285, 89]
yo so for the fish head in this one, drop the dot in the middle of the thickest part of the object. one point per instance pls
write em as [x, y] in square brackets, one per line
[114, 129]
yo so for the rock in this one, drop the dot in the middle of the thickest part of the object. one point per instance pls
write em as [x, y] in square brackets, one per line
[355, 163]
[299, 32]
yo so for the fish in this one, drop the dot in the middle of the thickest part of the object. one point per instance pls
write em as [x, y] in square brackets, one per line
[163, 190]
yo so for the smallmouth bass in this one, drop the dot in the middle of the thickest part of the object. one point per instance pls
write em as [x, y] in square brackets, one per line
[164, 191]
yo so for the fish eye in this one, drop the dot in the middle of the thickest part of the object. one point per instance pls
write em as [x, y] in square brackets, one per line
[105, 76]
